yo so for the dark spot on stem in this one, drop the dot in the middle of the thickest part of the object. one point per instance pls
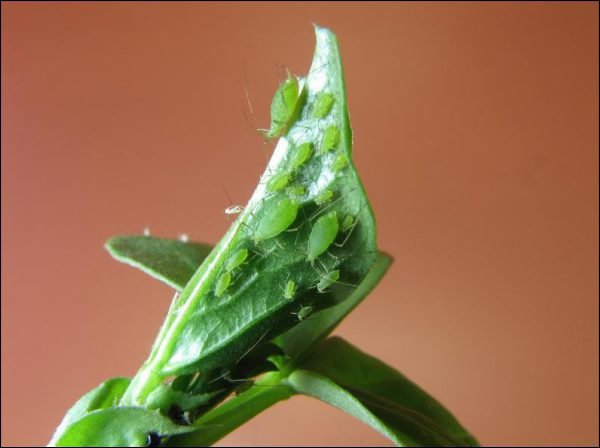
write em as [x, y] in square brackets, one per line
[153, 439]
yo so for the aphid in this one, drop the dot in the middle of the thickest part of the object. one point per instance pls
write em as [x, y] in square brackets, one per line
[236, 260]
[331, 137]
[222, 284]
[323, 197]
[297, 190]
[285, 105]
[322, 235]
[290, 289]
[300, 155]
[277, 217]
[303, 312]
[339, 162]
[278, 182]
[234, 210]
[153, 439]
[322, 105]
[347, 223]
[327, 280]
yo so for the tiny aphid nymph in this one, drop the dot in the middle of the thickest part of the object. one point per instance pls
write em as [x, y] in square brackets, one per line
[331, 137]
[322, 235]
[322, 105]
[222, 284]
[327, 280]
[278, 182]
[303, 312]
[236, 260]
[300, 155]
[323, 197]
[347, 223]
[339, 163]
[296, 190]
[290, 289]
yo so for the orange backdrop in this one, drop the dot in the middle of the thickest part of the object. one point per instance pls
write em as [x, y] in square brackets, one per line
[476, 135]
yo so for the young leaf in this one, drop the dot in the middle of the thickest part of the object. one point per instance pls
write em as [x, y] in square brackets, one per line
[380, 396]
[120, 426]
[105, 395]
[170, 261]
[215, 327]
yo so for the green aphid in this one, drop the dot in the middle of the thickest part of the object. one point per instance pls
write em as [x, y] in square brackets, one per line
[285, 106]
[296, 190]
[327, 280]
[222, 284]
[323, 197]
[331, 138]
[322, 105]
[278, 182]
[277, 217]
[304, 312]
[236, 260]
[339, 162]
[322, 235]
[290, 289]
[300, 155]
[347, 223]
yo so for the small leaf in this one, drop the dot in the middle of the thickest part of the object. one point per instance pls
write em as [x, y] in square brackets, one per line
[380, 396]
[120, 426]
[170, 261]
[105, 395]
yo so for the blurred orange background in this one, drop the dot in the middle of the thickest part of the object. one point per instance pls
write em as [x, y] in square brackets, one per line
[476, 135]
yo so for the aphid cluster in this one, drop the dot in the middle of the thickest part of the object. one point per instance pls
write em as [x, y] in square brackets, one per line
[313, 139]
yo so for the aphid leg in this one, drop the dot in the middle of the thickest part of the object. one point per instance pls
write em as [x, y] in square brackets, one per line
[347, 237]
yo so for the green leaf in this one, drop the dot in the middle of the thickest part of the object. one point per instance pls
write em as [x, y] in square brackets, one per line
[170, 261]
[301, 340]
[220, 421]
[380, 396]
[105, 395]
[214, 323]
[120, 426]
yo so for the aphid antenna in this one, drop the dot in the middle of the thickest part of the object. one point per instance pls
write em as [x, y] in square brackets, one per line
[253, 347]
